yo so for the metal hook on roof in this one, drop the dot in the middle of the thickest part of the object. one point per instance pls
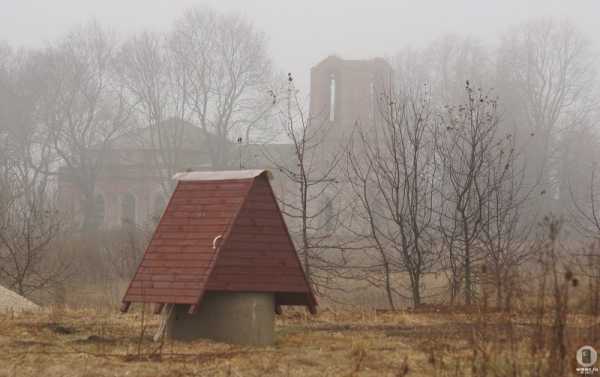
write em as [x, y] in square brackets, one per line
[217, 238]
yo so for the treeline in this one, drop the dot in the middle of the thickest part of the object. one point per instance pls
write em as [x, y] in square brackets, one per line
[63, 105]
[473, 148]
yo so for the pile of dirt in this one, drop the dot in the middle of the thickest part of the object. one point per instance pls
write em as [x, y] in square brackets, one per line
[11, 301]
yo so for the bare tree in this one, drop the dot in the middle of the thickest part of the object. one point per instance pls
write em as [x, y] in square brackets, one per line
[29, 230]
[84, 108]
[453, 59]
[444, 65]
[309, 203]
[157, 88]
[228, 68]
[585, 217]
[122, 250]
[392, 171]
[30, 225]
[469, 149]
[546, 71]
[210, 71]
[506, 232]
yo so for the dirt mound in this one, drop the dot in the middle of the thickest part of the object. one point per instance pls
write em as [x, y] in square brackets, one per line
[11, 301]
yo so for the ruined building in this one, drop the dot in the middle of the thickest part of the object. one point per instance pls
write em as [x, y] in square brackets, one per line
[132, 178]
[347, 93]
[132, 173]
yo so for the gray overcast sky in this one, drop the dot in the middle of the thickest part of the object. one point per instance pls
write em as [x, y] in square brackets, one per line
[303, 32]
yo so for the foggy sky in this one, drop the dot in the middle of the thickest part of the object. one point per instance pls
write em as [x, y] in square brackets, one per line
[301, 33]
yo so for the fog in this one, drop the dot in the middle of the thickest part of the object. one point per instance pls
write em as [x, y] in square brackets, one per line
[426, 173]
[302, 33]
[424, 151]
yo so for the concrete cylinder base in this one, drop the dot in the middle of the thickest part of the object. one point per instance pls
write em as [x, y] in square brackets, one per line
[237, 318]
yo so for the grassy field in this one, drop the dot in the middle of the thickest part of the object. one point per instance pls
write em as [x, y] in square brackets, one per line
[346, 343]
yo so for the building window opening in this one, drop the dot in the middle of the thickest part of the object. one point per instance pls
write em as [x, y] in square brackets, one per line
[332, 98]
[128, 209]
[371, 101]
[99, 211]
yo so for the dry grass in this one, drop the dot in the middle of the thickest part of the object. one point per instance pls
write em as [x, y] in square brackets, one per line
[93, 343]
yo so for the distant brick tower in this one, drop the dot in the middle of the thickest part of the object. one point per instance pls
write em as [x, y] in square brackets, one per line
[346, 92]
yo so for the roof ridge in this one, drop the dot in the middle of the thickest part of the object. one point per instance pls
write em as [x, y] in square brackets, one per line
[221, 175]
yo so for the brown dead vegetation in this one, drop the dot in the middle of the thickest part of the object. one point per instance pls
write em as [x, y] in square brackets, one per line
[333, 343]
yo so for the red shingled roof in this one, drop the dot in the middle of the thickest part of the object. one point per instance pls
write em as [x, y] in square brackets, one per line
[253, 252]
